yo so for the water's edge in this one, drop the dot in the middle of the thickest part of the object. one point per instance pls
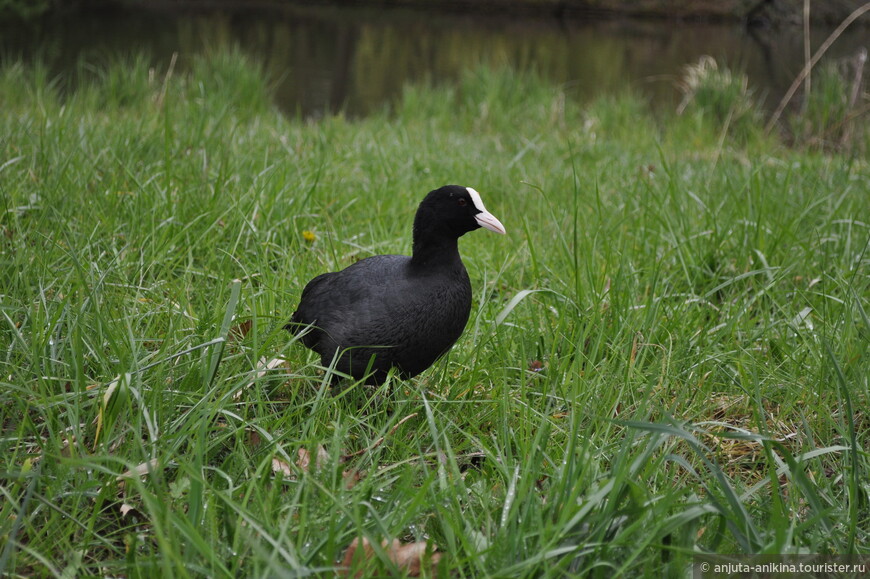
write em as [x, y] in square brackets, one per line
[326, 58]
[750, 12]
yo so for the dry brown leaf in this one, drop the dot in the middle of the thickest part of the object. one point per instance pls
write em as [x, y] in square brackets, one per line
[68, 445]
[239, 331]
[304, 460]
[352, 476]
[350, 555]
[128, 510]
[412, 558]
[281, 467]
[141, 469]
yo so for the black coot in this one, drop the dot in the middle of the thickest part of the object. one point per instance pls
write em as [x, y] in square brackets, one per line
[395, 311]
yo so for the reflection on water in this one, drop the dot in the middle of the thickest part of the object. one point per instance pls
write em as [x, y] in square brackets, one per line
[330, 58]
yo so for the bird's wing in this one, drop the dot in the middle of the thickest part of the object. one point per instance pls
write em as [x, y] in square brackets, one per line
[340, 303]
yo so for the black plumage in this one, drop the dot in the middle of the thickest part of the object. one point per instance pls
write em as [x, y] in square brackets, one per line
[396, 311]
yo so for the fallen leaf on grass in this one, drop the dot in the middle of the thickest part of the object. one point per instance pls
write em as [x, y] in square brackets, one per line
[351, 476]
[140, 469]
[304, 460]
[281, 467]
[412, 558]
[128, 511]
[263, 366]
[306, 463]
[239, 331]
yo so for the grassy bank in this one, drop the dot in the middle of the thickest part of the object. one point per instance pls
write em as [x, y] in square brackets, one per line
[667, 353]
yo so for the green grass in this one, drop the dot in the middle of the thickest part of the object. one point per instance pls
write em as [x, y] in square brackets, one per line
[667, 353]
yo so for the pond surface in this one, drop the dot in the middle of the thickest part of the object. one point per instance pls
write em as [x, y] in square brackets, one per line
[327, 59]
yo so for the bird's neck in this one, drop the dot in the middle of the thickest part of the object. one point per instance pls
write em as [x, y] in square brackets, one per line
[432, 251]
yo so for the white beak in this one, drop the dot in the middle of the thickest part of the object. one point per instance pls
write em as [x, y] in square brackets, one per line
[485, 219]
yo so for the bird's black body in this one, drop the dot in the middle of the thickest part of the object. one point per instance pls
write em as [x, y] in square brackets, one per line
[389, 317]
[395, 311]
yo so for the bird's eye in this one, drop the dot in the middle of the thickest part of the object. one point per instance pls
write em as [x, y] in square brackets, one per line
[462, 202]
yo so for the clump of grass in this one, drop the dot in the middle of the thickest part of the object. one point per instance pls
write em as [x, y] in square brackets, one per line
[230, 81]
[123, 81]
[488, 100]
[721, 96]
[27, 86]
[831, 116]
[154, 239]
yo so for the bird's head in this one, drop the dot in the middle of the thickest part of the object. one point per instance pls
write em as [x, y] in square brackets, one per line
[454, 210]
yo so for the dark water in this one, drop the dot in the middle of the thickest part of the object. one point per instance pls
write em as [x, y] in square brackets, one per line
[332, 58]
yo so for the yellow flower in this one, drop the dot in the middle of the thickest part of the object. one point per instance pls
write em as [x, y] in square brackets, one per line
[309, 236]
